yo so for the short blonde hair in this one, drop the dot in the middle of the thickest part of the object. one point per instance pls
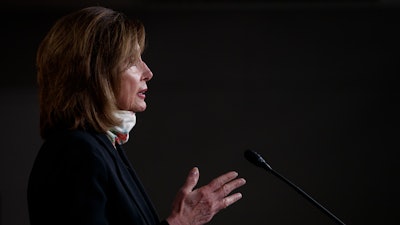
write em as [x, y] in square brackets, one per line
[79, 65]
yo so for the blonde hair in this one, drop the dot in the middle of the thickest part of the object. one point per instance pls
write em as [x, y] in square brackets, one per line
[79, 65]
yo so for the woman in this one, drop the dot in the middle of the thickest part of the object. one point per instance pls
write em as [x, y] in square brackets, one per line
[92, 81]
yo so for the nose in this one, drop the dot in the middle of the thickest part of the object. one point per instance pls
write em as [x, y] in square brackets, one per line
[147, 74]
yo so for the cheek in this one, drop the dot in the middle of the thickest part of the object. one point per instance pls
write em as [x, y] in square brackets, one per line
[124, 97]
[129, 87]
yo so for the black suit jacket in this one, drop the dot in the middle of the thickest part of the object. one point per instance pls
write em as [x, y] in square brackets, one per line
[79, 178]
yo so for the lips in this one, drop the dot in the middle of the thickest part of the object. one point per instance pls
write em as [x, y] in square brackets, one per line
[142, 93]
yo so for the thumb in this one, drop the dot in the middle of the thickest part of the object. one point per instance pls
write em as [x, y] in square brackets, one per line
[191, 180]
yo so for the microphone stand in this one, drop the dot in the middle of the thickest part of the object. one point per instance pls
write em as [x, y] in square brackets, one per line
[257, 159]
[304, 194]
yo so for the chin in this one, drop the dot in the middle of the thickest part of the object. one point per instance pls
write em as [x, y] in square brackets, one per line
[139, 109]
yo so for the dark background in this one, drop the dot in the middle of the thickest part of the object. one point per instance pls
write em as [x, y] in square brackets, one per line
[310, 85]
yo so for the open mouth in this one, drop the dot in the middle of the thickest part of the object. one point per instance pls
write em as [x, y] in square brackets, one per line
[142, 93]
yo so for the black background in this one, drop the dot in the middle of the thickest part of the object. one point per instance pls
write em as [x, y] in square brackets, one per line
[311, 86]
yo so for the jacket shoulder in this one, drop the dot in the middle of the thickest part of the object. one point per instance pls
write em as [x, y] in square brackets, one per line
[77, 139]
[75, 146]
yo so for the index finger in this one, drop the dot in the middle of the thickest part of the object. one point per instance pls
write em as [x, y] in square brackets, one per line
[222, 180]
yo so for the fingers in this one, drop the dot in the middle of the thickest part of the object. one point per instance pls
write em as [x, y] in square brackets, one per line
[227, 201]
[222, 199]
[223, 185]
[229, 187]
[220, 181]
[191, 180]
[219, 189]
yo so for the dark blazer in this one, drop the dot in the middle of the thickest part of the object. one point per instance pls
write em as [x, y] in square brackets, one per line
[79, 178]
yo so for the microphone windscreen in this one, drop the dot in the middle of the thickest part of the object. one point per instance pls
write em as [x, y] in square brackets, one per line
[256, 159]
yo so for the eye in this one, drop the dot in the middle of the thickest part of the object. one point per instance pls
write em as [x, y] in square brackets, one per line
[133, 68]
[128, 64]
[133, 61]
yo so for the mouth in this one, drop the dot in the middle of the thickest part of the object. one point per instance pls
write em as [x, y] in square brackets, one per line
[142, 93]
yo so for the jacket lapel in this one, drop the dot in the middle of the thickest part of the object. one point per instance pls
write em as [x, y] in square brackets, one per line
[150, 210]
[130, 181]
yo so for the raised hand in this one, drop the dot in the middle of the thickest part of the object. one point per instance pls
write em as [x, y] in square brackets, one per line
[198, 206]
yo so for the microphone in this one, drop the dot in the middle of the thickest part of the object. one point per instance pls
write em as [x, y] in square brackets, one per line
[259, 161]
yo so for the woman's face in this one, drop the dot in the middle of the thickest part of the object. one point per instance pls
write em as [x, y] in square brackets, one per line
[133, 87]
